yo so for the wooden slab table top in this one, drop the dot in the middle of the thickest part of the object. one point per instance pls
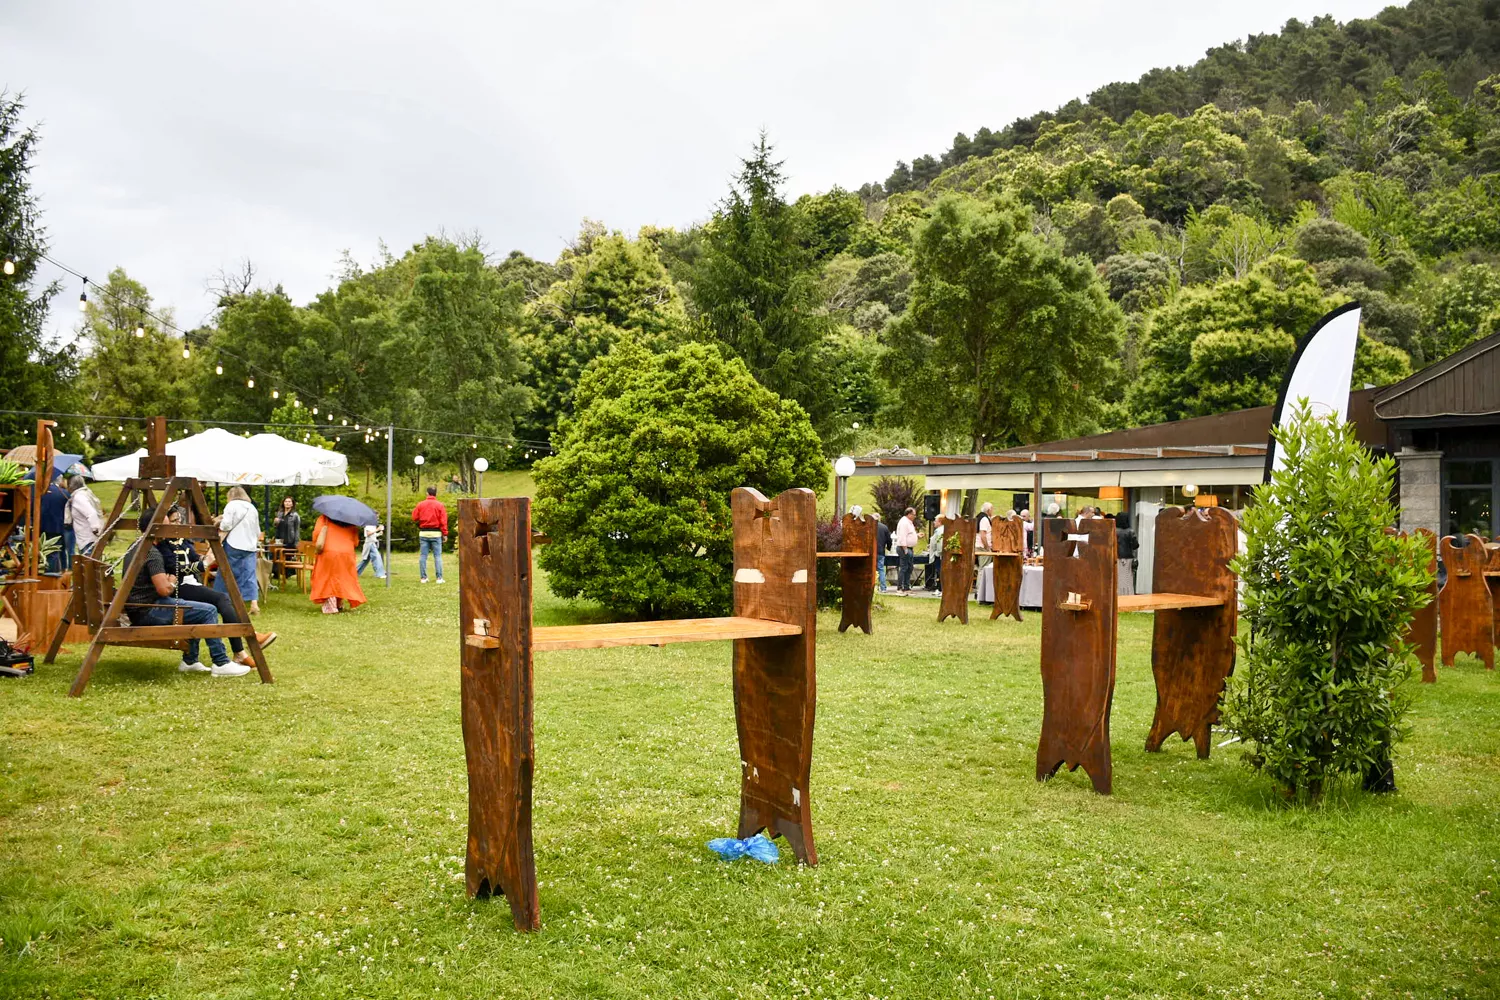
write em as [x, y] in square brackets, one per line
[842, 555]
[609, 634]
[1164, 602]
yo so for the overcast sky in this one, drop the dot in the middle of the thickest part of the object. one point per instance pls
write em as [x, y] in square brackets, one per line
[182, 137]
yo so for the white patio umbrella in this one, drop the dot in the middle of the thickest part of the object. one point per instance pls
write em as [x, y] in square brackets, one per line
[333, 466]
[217, 456]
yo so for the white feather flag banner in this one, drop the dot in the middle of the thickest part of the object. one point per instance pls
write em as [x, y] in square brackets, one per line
[1320, 372]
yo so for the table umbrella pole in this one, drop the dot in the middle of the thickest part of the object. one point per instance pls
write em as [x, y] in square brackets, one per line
[390, 460]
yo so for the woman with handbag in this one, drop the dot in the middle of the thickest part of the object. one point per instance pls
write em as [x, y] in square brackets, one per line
[334, 577]
[240, 525]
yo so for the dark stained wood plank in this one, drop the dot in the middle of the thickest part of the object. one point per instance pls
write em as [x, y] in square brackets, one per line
[957, 567]
[1465, 606]
[1421, 633]
[857, 573]
[494, 587]
[1009, 539]
[775, 679]
[1078, 650]
[1192, 644]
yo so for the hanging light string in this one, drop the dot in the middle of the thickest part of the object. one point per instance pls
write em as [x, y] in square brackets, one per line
[275, 380]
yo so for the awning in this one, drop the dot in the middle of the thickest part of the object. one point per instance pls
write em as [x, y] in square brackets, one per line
[217, 456]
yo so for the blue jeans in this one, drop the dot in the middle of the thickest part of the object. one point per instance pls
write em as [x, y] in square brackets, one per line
[193, 614]
[69, 544]
[372, 554]
[435, 546]
[242, 565]
[880, 568]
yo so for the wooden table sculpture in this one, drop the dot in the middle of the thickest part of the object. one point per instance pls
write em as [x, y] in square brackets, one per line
[856, 558]
[1009, 539]
[1192, 648]
[1421, 634]
[775, 548]
[1464, 604]
[1079, 627]
[100, 604]
[958, 567]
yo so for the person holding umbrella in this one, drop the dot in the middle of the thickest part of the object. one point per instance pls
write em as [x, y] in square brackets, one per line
[336, 537]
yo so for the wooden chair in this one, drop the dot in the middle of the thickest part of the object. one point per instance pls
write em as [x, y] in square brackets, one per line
[303, 562]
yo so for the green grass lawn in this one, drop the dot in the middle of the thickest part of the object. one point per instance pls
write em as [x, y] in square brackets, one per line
[189, 837]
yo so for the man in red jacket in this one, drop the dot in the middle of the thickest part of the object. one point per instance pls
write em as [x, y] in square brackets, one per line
[432, 530]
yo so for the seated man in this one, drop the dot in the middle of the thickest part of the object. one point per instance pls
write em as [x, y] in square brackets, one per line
[180, 559]
[152, 601]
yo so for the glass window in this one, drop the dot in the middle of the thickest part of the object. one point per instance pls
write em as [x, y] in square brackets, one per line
[1470, 473]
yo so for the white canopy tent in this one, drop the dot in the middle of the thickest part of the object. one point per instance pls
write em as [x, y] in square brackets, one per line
[217, 456]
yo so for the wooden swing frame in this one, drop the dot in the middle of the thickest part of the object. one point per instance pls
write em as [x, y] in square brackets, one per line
[93, 604]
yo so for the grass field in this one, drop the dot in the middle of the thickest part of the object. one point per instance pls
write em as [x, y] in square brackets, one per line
[189, 837]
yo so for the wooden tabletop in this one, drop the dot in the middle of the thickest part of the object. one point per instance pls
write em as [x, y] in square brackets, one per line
[1165, 602]
[655, 633]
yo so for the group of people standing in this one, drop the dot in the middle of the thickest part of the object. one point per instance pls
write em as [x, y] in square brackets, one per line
[906, 540]
[73, 516]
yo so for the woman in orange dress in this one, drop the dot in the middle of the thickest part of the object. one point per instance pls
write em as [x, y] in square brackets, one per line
[333, 575]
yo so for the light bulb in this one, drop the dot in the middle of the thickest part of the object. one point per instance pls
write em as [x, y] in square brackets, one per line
[344, 422]
[419, 460]
[296, 402]
[140, 329]
[315, 411]
[83, 301]
[275, 393]
[119, 427]
[219, 368]
[10, 265]
[185, 352]
[419, 440]
[356, 427]
[250, 382]
[473, 444]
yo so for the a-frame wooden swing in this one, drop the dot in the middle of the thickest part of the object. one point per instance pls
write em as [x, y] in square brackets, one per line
[100, 604]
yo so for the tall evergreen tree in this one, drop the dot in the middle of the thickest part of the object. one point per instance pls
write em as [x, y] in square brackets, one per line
[758, 294]
[35, 371]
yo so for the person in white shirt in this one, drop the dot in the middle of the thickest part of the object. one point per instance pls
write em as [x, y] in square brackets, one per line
[906, 548]
[86, 514]
[240, 524]
[984, 542]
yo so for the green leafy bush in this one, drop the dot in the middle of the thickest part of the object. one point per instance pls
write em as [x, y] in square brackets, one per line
[636, 500]
[1320, 687]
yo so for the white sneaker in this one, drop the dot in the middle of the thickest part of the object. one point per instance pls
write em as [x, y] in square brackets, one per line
[441, 580]
[230, 669]
[192, 668]
[423, 580]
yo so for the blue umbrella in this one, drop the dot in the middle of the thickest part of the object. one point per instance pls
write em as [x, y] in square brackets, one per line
[345, 510]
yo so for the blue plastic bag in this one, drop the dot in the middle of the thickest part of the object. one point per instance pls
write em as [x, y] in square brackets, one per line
[760, 847]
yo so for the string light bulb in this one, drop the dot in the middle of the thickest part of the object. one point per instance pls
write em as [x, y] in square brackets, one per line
[344, 422]
[83, 301]
[275, 393]
[219, 368]
[10, 265]
[250, 382]
[315, 411]
[186, 353]
[140, 329]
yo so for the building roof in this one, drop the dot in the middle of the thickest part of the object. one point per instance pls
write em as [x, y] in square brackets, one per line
[1462, 385]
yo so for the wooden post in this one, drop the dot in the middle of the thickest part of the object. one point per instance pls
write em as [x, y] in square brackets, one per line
[775, 677]
[958, 567]
[494, 599]
[857, 573]
[1079, 628]
[1009, 541]
[1192, 649]
[1421, 633]
[1465, 605]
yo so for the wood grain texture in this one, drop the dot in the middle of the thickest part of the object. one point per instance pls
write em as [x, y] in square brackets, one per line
[958, 567]
[775, 679]
[1192, 645]
[1465, 607]
[857, 573]
[1008, 537]
[659, 633]
[1164, 602]
[494, 583]
[1492, 580]
[1422, 633]
[1078, 651]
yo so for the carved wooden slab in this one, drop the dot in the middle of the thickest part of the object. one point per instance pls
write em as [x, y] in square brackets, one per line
[775, 678]
[1421, 634]
[1492, 580]
[958, 566]
[857, 573]
[1192, 649]
[1464, 604]
[494, 600]
[1079, 627]
[1008, 536]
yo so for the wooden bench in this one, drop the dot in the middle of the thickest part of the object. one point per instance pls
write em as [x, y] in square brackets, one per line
[1192, 644]
[856, 572]
[775, 605]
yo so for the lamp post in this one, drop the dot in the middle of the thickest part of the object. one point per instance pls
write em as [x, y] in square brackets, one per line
[842, 469]
[419, 460]
[480, 464]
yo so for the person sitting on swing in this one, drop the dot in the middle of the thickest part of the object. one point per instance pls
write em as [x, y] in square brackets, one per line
[153, 600]
[182, 561]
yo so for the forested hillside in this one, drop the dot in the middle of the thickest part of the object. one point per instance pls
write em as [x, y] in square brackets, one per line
[1149, 254]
